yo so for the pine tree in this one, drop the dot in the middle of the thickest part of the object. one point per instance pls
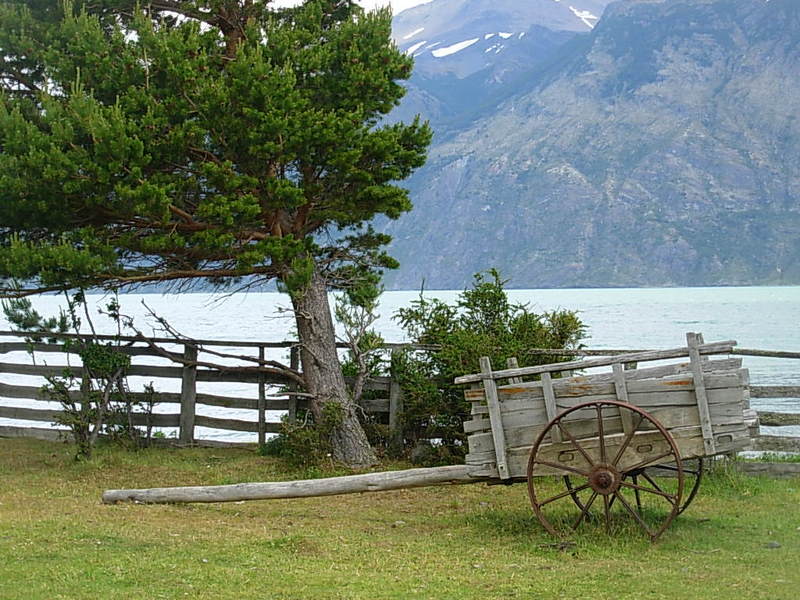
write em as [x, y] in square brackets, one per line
[222, 141]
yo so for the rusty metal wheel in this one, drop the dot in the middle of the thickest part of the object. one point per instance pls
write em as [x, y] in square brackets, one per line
[604, 449]
[692, 476]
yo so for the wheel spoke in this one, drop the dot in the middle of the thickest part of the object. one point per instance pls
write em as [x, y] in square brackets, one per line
[636, 494]
[635, 515]
[601, 433]
[585, 510]
[547, 463]
[575, 443]
[606, 473]
[639, 488]
[626, 442]
[653, 483]
[564, 494]
[675, 469]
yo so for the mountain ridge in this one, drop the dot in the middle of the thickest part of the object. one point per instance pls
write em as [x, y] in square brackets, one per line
[659, 149]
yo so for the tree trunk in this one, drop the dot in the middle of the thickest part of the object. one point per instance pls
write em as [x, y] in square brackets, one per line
[323, 374]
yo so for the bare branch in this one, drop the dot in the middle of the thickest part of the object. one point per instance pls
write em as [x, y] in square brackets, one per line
[263, 366]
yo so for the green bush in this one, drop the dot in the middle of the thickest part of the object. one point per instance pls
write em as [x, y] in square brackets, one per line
[482, 322]
[305, 444]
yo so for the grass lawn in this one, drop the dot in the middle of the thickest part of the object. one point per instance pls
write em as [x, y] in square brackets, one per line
[740, 538]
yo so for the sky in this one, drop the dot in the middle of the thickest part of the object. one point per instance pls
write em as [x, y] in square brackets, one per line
[397, 5]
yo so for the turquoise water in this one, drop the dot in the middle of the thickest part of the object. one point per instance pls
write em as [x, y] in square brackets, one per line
[756, 317]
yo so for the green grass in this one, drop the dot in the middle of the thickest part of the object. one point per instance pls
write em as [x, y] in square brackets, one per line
[776, 457]
[58, 541]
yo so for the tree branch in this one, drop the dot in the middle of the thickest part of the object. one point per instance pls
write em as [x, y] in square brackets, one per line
[269, 367]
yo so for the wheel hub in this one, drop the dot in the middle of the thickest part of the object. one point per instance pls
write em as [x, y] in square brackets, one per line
[604, 479]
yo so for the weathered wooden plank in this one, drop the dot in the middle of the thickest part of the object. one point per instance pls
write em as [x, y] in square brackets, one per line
[59, 435]
[777, 419]
[688, 440]
[352, 484]
[29, 392]
[35, 393]
[234, 424]
[621, 390]
[602, 383]
[294, 364]
[51, 416]
[495, 416]
[188, 395]
[262, 403]
[513, 363]
[550, 405]
[205, 375]
[43, 348]
[575, 387]
[159, 340]
[395, 405]
[694, 341]
[30, 414]
[776, 443]
[713, 348]
[476, 425]
[774, 391]
[519, 432]
[647, 400]
[379, 384]
[769, 469]
[41, 370]
[39, 433]
[767, 353]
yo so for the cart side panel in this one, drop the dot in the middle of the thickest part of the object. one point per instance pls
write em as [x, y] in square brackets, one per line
[671, 400]
[689, 441]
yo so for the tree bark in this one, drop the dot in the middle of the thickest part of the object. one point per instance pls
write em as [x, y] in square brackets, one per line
[323, 374]
[351, 484]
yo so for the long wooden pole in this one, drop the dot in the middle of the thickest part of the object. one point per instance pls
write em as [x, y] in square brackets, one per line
[350, 484]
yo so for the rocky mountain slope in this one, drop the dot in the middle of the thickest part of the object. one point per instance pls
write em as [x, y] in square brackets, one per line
[468, 51]
[662, 147]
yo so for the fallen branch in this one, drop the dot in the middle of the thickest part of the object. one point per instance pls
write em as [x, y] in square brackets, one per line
[351, 484]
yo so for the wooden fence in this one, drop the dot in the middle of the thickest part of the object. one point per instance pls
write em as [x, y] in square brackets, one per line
[272, 392]
[386, 403]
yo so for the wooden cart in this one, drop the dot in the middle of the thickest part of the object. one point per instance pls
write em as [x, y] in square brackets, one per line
[610, 436]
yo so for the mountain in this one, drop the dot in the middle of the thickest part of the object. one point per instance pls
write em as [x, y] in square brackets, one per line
[661, 147]
[466, 51]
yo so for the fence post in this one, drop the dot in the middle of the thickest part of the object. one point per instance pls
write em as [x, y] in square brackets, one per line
[395, 404]
[188, 395]
[262, 401]
[294, 363]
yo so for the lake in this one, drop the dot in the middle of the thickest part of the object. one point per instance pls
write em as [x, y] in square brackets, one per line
[757, 317]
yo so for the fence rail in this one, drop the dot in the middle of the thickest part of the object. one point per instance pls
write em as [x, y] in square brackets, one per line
[387, 406]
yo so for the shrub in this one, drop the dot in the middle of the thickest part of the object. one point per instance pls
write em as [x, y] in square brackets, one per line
[98, 403]
[482, 322]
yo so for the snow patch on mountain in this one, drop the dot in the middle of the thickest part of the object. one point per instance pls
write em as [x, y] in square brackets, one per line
[448, 50]
[586, 16]
[413, 33]
[415, 47]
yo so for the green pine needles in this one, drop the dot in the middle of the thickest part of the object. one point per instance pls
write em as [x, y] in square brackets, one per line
[198, 140]
[222, 141]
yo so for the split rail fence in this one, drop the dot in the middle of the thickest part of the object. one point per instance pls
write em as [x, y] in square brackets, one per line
[272, 393]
